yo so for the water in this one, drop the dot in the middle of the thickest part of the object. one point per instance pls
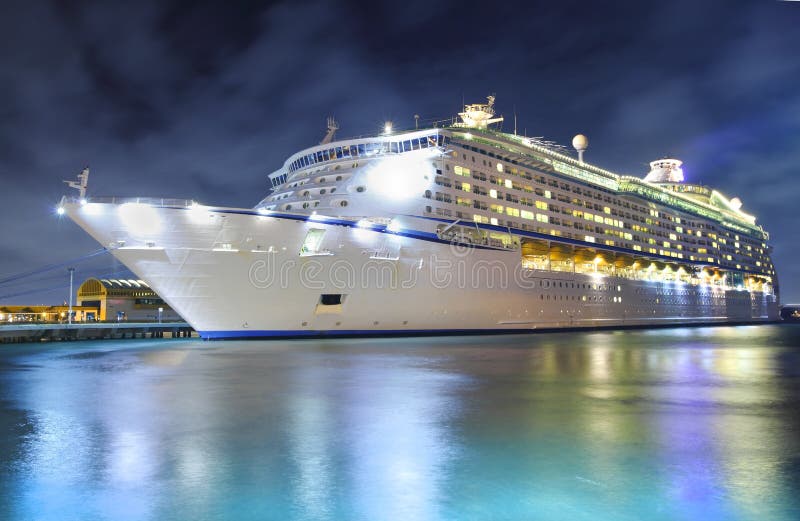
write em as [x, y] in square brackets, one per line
[665, 424]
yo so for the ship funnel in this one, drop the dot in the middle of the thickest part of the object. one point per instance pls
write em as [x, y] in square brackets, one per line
[665, 171]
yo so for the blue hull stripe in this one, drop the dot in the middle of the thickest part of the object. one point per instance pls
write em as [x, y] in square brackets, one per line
[216, 335]
[307, 333]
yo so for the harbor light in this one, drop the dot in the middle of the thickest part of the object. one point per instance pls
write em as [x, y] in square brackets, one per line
[60, 210]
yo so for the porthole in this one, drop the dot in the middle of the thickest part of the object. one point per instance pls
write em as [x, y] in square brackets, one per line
[333, 189]
[343, 203]
[360, 189]
[338, 178]
[288, 206]
[321, 180]
[322, 191]
[305, 205]
[305, 193]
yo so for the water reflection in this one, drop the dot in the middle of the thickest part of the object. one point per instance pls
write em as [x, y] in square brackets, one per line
[398, 448]
[666, 424]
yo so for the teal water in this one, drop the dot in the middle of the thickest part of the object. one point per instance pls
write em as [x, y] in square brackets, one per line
[666, 424]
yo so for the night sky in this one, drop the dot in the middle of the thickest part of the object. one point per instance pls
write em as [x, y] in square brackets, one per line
[202, 101]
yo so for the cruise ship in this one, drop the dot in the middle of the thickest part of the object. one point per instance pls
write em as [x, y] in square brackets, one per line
[456, 228]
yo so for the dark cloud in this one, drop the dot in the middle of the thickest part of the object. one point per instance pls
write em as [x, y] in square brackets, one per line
[202, 100]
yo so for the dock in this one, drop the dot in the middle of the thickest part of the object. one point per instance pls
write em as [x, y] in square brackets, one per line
[54, 332]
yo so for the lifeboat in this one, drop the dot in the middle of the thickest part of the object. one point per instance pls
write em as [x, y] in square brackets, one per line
[560, 252]
[623, 260]
[534, 248]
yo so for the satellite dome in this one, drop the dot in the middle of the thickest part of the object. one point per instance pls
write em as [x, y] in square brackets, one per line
[580, 142]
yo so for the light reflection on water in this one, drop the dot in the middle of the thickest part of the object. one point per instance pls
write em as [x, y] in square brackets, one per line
[662, 424]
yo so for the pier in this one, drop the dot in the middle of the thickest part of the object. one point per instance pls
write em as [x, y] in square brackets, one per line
[51, 332]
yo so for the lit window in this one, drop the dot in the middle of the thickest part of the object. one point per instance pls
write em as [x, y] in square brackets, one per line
[509, 184]
[499, 167]
[588, 238]
[493, 193]
[493, 220]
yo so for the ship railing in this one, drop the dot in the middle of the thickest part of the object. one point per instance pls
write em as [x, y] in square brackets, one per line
[467, 239]
[153, 201]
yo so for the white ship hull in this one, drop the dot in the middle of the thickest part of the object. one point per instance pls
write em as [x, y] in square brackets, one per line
[236, 273]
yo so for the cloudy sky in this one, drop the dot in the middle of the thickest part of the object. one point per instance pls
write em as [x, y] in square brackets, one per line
[202, 100]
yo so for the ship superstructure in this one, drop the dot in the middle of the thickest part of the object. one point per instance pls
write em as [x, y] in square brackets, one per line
[457, 228]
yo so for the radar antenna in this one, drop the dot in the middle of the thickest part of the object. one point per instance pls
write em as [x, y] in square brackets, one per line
[332, 128]
[81, 184]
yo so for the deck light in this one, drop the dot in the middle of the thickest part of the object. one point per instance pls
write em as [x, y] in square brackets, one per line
[140, 219]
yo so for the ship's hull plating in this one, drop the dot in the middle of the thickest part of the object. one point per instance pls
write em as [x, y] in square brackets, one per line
[235, 273]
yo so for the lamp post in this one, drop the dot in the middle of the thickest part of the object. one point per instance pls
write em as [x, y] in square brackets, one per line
[69, 314]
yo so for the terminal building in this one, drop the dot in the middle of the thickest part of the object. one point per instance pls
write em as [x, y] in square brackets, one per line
[124, 299]
[17, 314]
